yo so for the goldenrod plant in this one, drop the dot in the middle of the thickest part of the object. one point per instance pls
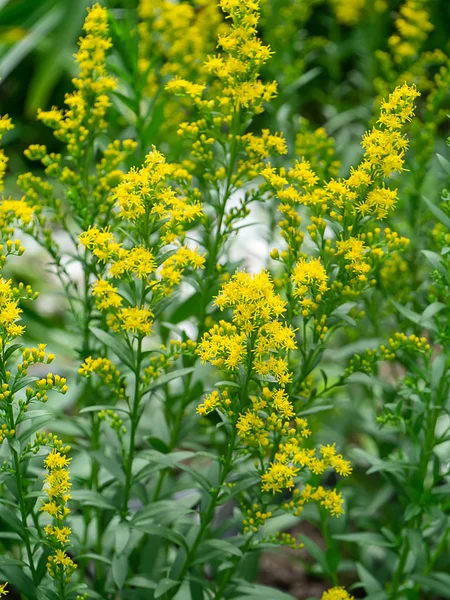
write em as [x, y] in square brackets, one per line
[251, 314]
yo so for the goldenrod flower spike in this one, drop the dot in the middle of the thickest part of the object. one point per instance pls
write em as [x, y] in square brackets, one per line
[337, 593]
[57, 487]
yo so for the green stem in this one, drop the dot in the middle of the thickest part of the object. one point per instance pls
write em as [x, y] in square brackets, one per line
[206, 517]
[133, 427]
[23, 514]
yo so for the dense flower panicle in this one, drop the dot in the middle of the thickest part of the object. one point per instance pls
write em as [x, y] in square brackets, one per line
[318, 150]
[12, 213]
[363, 191]
[76, 189]
[231, 91]
[5, 125]
[337, 593]
[310, 279]
[354, 244]
[348, 13]
[107, 371]
[256, 312]
[57, 487]
[252, 298]
[258, 341]
[384, 149]
[174, 40]
[159, 215]
[146, 190]
[87, 106]
[413, 26]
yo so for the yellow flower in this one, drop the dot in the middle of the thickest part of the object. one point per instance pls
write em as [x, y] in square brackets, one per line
[337, 593]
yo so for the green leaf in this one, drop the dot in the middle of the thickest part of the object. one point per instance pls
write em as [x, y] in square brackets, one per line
[167, 378]
[166, 460]
[191, 307]
[169, 510]
[222, 545]
[435, 260]
[228, 384]
[122, 534]
[99, 407]
[445, 164]
[30, 426]
[27, 44]
[161, 531]
[119, 570]
[437, 371]
[110, 464]
[92, 498]
[316, 552]
[252, 591]
[10, 520]
[365, 539]
[93, 556]
[158, 445]
[11, 350]
[431, 310]
[141, 581]
[164, 586]
[316, 409]
[438, 583]
[115, 345]
[438, 213]
[407, 312]
[22, 382]
[371, 585]
[16, 576]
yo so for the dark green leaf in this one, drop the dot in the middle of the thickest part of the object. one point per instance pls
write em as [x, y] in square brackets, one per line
[438, 213]
[114, 343]
[119, 569]
[164, 586]
[92, 498]
[167, 378]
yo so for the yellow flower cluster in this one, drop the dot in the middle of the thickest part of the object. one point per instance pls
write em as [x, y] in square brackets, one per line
[238, 71]
[231, 92]
[258, 342]
[87, 106]
[362, 193]
[158, 215]
[292, 457]
[145, 191]
[337, 593]
[255, 517]
[177, 36]
[331, 500]
[174, 40]
[57, 487]
[413, 26]
[356, 246]
[5, 432]
[310, 278]
[5, 125]
[348, 12]
[401, 341]
[107, 371]
[256, 309]
[318, 150]
[3, 590]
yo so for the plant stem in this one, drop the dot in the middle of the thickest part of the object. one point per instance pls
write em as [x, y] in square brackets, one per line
[206, 517]
[134, 426]
[23, 514]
